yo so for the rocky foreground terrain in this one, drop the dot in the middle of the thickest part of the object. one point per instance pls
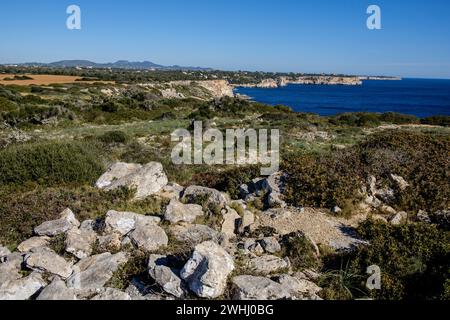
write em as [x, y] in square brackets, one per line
[239, 257]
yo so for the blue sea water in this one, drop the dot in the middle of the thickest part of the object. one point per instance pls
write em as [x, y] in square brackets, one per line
[419, 97]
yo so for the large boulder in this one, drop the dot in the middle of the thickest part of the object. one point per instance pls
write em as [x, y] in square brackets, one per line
[79, 242]
[125, 222]
[149, 237]
[34, 242]
[43, 259]
[204, 195]
[23, 288]
[94, 272]
[167, 278]
[258, 288]
[179, 212]
[57, 290]
[55, 227]
[207, 270]
[147, 179]
[268, 264]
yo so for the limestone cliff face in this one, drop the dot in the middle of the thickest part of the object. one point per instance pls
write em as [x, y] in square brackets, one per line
[268, 83]
[310, 80]
[218, 88]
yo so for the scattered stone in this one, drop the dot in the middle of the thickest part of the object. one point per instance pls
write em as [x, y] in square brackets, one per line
[230, 222]
[167, 278]
[125, 222]
[207, 270]
[247, 219]
[179, 212]
[22, 289]
[268, 264]
[94, 272]
[111, 294]
[34, 242]
[149, 237]
[56, 227]
[399, 218]
[4, 252]
[195, 234]
[171, 191]
[79, 242]
[422, 216]
[336, 210]
[43, 259]
[110, 242]
[274, 186]
[9, 271]
[400, 182]
[299, 287]
[258, 288]
[270, 245]
[146, 179]
[197, 194]
[88, 225]
[57, 290]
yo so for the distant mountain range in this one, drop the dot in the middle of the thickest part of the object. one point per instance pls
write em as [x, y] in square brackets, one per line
[121, 64]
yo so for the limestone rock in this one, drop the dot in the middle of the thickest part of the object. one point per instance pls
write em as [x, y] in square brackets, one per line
[56, 227]
[246, 221]
[79, 242]
[195, 234]
[399, 218]
[149, 237]
[179, 212]
[299, 287]
[57, 290]
[258, 288]
[146, 179]
[4, 252]
[167, 278]
[207, 270]
[400, 182]
[171, 191]
[22, 289]
[125, 222]
[268, 264]
[110, 242]
[10, 267]
[34, 242]
[94, 272]
[43, 259]
[194, 194]
[111, 294]
[230, 222]
[270, 245]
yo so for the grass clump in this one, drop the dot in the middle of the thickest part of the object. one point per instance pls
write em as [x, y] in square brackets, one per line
[300, 251]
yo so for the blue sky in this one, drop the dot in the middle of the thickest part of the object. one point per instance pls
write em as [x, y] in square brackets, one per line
[285, 35]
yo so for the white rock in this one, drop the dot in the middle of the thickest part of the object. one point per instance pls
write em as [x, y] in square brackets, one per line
[299, 286]
[149, 237]
[80, 242]
[111, 294]
[22, 289]
[268, 264]
[271, 245]
[56, 227]
[147, 179]
[195, 234]
[167, 278]
[399, 218]
[34, 242]
[43, 259]
[230, 222]
[4, 252]
[258, 288]
[171, 191]
[57, 290]
[207, 270]
[125, 222]
[179, 212]
[246, 220]
[400, 181]
[94, 272]
[193, 194]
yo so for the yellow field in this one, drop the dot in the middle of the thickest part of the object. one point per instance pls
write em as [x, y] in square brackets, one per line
[43, 79]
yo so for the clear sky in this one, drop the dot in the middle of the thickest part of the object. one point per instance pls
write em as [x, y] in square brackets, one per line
[284, 35]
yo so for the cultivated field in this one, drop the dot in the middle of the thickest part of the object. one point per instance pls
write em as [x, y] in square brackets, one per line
[41, 79]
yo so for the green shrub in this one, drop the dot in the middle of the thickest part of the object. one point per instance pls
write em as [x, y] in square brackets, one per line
[114, 137]
[300, 251]
[437, 121]
[51, 163]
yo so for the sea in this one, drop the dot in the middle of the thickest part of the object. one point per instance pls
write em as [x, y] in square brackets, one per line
[418, 97]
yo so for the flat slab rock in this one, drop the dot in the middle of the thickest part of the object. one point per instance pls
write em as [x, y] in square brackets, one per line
[43, 259]
[125, 222]
[57, 290]
[52, 228]
[195, 233]
[111, 294]
[149, 237]
[193, 194]
[94, 272]
[267, 264]
[23, 288]
[167, 278]
[34, 242]
[258, 288]
[177, 211]
[147, 179]
[79, 242]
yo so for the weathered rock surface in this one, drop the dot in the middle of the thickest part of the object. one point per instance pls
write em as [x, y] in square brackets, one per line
[299, 287]
[258, 288]
[22, 289]
[179, 212]
[230, 224]
[196, 194]
[79, 242]
[43, 259]
[167, 278]
[268, 264]
[34, 242]
[207, 270]
[125, 222]
[111, 294]
[149, 237]
[270, 245]
[57, 290]
[195, 234]
[398, 218]
[4, 252]
[94, 272]
[146, 179]
[59, 226]
[171, 191]
[10, 267]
